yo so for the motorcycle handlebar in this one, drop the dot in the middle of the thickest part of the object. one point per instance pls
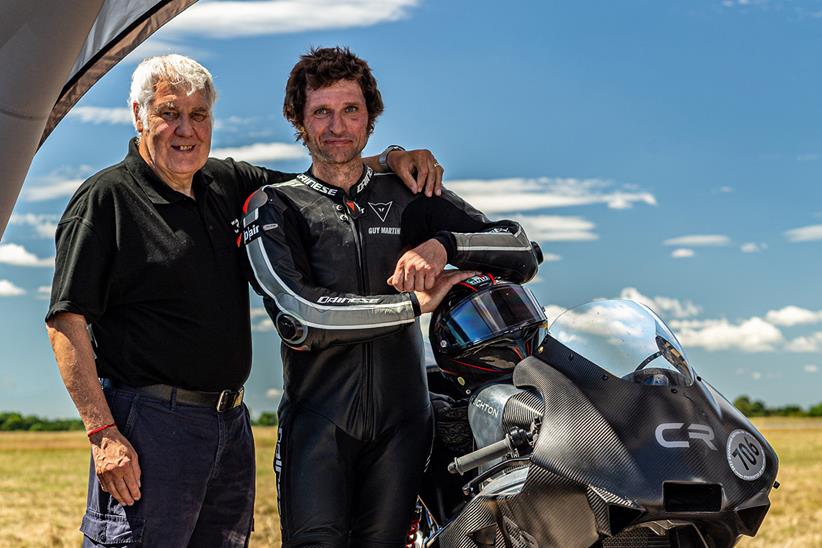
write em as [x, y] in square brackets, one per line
[477, 458]
[513, 440]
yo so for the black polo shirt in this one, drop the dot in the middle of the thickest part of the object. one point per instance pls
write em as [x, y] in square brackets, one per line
[159, 275]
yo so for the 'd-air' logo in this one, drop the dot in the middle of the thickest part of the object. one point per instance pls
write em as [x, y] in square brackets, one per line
[250, 232]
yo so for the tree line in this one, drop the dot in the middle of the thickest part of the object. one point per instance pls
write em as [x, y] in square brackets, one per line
[11, 421]
[758, 408]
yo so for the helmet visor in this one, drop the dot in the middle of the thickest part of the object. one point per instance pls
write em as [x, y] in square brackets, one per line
[488, 314]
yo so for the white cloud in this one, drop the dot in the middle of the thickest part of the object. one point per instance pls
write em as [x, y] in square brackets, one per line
[260, 322]
[804, 234]
[726, 189]
[8, 289]
[101, 115]
[549, 258]
[598, 319]
[521, 195]
[751, 335]
[44, 224]
[811, 368]
[552, 312]
[234, 124]
[262, 152]
[694, 323]
[221, 19]
[682, 253]
[743, 3]
[754, 334]
[52, 190]
[157, 46]
[696, 240]
[810, 343]
[793, 315]
[17, 255]
[756, 375]
[263, 326]
[258, 312]
[664, 306]
[425, 323]
[752, 247]
[556, 228]
[44, 292]
[808, 157]
[274, 393]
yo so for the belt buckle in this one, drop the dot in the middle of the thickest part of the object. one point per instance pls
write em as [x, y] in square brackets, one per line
[229, 399]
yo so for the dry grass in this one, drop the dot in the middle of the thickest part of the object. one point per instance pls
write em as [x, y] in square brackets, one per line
[795, 518]
[266, 519]
[43, 488]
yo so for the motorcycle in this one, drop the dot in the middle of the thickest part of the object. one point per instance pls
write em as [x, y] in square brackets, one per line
[605, 436]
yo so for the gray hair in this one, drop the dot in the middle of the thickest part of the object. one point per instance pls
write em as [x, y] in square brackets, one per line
[178, 71]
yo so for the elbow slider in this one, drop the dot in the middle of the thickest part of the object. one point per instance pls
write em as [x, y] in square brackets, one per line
[291, 330]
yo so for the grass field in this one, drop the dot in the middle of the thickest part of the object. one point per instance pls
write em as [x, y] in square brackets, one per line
[43, 487]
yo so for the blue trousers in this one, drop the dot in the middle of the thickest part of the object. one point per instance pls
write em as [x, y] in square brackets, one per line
[197, 477]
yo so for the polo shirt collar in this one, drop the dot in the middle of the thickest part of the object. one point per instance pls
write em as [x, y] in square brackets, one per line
[154, 187]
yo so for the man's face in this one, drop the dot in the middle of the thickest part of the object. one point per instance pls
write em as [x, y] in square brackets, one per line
[177, 140]
[335, 122]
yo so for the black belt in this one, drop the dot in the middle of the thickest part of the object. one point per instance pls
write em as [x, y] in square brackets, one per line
[221, 401]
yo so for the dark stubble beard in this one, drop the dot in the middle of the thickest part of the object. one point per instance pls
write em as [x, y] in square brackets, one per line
[317, 154]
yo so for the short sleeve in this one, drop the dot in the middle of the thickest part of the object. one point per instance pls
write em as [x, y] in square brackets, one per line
[82, 268]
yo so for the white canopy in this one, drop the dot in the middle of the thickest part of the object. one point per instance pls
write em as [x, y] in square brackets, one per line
[51, 53]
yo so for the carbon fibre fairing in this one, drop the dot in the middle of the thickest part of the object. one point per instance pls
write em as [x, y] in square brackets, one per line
[621, 463]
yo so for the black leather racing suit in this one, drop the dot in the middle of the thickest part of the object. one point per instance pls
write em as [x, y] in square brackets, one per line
[355, 416]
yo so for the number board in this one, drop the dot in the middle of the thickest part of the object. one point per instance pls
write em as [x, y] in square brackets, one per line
[745, 455]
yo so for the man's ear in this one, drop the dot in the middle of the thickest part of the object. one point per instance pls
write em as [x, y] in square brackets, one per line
[138, 122]
[301, 133]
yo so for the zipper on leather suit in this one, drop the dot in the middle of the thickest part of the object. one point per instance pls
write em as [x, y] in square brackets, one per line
[362, 282]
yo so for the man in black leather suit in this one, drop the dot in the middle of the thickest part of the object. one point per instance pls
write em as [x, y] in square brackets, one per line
[346, 260]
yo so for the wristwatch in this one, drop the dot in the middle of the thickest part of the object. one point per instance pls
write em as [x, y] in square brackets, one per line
[383, 158]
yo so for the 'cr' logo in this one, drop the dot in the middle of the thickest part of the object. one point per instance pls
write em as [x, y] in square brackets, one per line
[695, 432]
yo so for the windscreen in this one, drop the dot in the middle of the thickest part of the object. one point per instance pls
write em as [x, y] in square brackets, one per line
[486, 314]
[626, 339]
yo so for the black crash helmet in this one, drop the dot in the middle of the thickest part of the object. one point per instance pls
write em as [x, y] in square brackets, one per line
[483, 328]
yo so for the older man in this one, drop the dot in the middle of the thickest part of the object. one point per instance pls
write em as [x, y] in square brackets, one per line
[330, 250]
[149, 296]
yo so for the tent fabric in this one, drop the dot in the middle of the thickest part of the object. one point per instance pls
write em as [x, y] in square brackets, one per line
[51, 53]
[120, 27]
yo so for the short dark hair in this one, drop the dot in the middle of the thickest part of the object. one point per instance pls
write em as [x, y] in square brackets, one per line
[322, 67]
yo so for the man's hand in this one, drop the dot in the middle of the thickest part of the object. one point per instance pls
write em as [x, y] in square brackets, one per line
[116, 465]
[418, 268]
[429, 300]
[418, 169]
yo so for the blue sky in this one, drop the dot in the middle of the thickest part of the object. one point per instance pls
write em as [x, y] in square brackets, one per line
[664, 151]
